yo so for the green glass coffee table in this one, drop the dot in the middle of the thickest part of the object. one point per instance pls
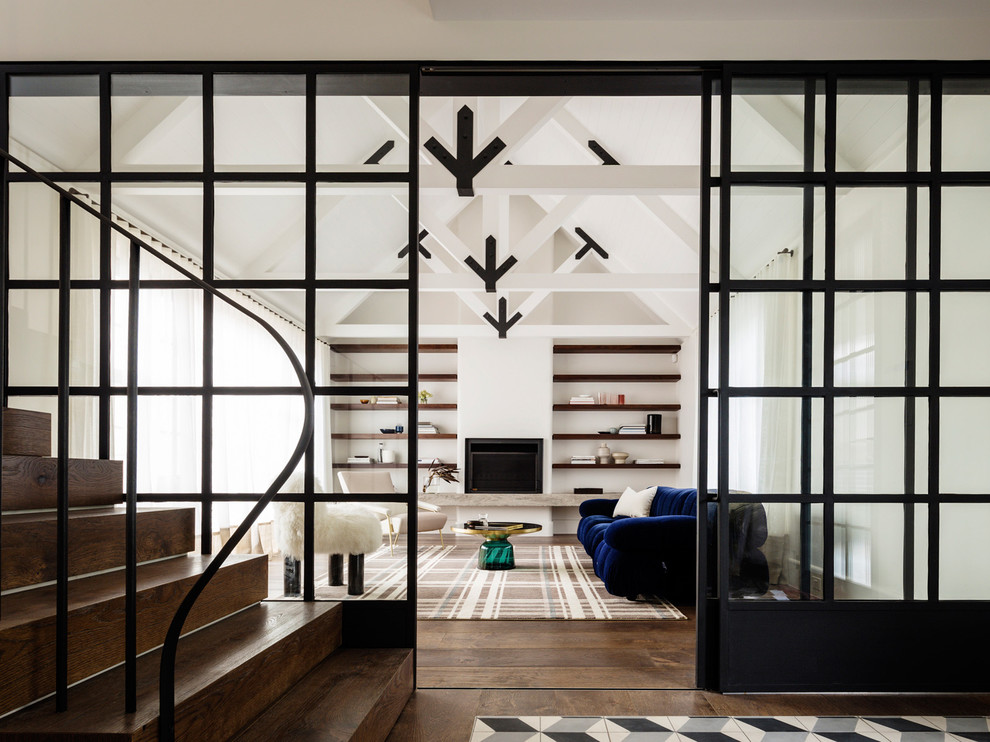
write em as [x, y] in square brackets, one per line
[495, 551]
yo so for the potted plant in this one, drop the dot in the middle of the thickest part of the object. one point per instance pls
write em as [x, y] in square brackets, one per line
[424, 396]
[439, 470]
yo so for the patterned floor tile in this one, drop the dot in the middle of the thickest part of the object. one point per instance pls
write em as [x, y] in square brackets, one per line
[572, 724]
[962, 725]
[506, 729]
[652, 724]
[574, 737]
[691, 736]
[825, 724]
[692, 724]
[863, 733]
[490, 736]
[773, 729]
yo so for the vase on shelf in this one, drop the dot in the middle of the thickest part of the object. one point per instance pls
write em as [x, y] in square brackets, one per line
[604, 454]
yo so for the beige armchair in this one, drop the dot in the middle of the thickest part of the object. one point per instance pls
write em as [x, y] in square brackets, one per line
[393, 514]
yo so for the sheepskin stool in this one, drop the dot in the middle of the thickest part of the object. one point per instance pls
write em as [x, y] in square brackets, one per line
[342, 528]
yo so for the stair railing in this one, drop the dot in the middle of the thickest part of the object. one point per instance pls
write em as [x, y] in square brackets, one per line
[166, 690]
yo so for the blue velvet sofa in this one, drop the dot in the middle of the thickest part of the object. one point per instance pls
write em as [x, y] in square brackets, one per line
[657, 554]
[643, 556]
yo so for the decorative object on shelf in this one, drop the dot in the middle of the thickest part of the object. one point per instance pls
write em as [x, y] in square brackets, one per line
[373, 400]
[604, 454]
[424, 396]
[613, 431]
[653, 423]
[620, 457]
[388, 456]
[365, 401]
[387, 431]
[359, 459]
[649, 461]
[439, 470]
[399, 428]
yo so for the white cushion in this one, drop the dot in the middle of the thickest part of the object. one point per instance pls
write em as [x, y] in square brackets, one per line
[634, 504]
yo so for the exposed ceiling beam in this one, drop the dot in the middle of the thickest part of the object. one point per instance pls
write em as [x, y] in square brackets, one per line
[527, 180]
[521, 329]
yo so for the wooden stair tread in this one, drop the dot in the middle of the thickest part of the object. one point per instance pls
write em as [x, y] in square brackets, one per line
[96, 541]
[27, 432]
[29, 482]
[96, 619]
[354, 694]
[226, 674]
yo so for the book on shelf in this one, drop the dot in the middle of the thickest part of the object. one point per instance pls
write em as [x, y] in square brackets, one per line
[632, 430]
[358, 459]
[582, 399]
[649, 461]
[584, 460]
[387, 400]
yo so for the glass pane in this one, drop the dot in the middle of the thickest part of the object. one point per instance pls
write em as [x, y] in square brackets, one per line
[765, 339]
[84, 422]
[920, 445]
[713, 340]
[788, 564]
[965, 232]
[871, 125]
[253, 437]
[259, 122]
[765, 445]
[870, 234]
[869, 339]
[921, 552]
[925, 127]
[965, 120]
[362, 120]
[964, 439]
[715, 238]
[170, 337]
[33, 337]
[244, 353]
[767, 233]
[157, 122]
[767, 125]
[168, 216]
[55, 121]
[349, 316]
[169, 454]
[869, 551]
[964, 362]
[964, 550]
[260, 230]
[869, 445]
[34, 233]
[716, 127]
[362, 231]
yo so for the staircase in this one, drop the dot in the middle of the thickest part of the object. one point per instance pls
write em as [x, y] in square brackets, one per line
[246, 669]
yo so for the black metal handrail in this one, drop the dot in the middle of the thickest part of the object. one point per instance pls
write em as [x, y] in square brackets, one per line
[167, 673]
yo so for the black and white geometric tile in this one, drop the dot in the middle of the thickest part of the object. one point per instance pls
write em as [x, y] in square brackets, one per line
[731, 729]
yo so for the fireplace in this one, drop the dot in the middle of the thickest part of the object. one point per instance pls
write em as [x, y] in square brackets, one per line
[503, 465]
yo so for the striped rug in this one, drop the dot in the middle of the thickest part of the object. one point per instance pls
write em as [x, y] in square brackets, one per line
[549, 582]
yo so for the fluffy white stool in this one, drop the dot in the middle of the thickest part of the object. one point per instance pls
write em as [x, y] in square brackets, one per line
[339, 528]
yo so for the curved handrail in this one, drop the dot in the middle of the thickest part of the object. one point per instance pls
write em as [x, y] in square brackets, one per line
[166, 690]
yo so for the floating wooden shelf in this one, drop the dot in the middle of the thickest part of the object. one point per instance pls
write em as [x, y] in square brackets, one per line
[376, 465]
[616, 466]
[616, 437]
[392, 348]
[629, 407]
[403, 406]
[399, 436]
[616, 348]
[391, 377]
[633, 378]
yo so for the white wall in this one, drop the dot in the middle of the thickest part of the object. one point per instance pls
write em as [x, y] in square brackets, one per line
[405, 29]
[504, 390]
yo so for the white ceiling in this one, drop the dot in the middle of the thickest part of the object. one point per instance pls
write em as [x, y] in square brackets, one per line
[705, 10]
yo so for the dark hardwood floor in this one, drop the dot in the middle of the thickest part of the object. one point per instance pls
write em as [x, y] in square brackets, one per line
[590, 668]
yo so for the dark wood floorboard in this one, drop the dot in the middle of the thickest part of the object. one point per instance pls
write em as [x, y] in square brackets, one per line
[590, 668]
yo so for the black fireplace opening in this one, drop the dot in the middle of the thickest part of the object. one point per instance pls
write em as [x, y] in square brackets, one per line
[503, 465]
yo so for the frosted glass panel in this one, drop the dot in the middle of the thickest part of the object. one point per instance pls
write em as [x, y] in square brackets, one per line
[965, 232]
[869, 445]
[169, 216]
[259, 122]
[790, 528]
[260, 230]
[765, 445]
[767, 125]
[870, 235]
[767, 233]
[765, 339]
[362, 232]
[963, 361]
[55, 121]
[871, 125]
[169, 452]
[869, 339]
[869, 551]
[170, 337]
[253, 438]
[964, 439]
[33, 337]
[157, 122]
[965, 121]
[244, 353]
[964, 551]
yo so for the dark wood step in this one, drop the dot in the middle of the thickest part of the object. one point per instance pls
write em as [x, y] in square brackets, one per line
[96, 541]
[226, 675]
[29, 482]
[354, 694]
[26, 433]
[96, 619]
